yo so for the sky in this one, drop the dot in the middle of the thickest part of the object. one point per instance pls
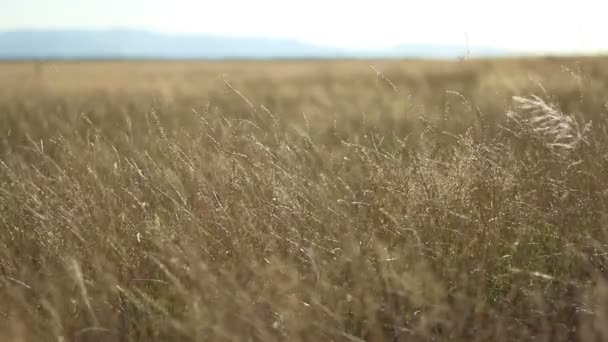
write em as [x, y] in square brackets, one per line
[532, 26]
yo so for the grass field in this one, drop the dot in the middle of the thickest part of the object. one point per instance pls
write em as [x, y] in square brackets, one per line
[304, 201]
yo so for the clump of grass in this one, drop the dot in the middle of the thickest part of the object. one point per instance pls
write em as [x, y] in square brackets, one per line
[558, 131]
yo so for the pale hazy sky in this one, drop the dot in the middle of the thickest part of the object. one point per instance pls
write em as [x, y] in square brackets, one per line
[523, 25]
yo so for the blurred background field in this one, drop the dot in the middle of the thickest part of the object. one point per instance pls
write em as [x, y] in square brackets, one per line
[388, 93]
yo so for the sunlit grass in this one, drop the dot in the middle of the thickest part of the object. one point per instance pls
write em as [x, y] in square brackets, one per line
[314, 201]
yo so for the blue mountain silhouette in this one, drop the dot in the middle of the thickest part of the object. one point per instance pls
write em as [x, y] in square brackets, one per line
[135, 44]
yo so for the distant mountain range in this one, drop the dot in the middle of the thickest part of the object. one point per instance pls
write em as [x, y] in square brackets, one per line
[133, 44]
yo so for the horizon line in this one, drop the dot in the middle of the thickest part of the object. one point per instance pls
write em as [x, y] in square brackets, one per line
[491, 51]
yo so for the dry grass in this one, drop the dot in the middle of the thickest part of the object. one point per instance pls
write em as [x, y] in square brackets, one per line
[307, 201]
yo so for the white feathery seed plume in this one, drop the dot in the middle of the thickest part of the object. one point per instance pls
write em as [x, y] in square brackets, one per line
[557, 130]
